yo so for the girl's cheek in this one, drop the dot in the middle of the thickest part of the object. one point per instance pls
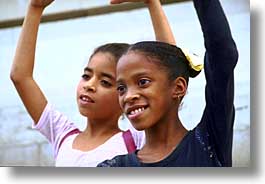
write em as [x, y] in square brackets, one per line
[121, 101]
[78, 88]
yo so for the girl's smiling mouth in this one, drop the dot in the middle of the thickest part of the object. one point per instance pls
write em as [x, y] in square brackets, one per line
[85, 99]
[135, 111]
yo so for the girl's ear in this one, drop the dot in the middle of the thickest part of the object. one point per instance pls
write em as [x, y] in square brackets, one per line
[180, 88]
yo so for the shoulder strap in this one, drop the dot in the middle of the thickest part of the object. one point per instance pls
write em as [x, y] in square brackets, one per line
[129, 142]
[75, 131]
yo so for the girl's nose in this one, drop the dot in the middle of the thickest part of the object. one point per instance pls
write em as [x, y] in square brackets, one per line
[90, 86]
[131, 96]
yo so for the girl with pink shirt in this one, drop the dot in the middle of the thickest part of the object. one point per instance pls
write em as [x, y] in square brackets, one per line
[97, 96]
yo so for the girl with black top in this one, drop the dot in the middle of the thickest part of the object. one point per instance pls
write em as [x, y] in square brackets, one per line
[152, 79]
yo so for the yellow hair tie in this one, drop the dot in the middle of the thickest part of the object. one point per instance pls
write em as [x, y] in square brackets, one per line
[195, 62]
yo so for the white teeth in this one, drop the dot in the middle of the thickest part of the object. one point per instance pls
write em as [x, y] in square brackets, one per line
[136, 111]
[85, 99]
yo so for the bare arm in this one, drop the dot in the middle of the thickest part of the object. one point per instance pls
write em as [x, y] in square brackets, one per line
[23, 64]
[160, 23]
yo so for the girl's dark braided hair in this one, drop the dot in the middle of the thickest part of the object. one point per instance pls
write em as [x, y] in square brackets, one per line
[169, 57]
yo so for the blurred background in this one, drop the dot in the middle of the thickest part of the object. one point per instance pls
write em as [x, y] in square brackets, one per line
[71, 29]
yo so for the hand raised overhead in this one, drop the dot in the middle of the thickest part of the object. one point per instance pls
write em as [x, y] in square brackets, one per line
[123, 1]
[40, 3]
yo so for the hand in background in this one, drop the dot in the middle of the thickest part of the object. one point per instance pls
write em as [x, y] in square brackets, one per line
[40, 3]
[123, 1]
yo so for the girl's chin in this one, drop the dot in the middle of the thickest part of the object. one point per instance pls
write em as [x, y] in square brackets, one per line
[85, 113]
[139, 126]
[143, 124]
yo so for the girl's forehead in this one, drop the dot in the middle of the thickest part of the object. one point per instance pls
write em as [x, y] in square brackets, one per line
[137, 64]
[102, 63]
[102, 60]
[133, 67]
[137, 59]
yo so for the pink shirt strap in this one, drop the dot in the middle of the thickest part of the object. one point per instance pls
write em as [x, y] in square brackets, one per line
[129, 141]
[75, 131]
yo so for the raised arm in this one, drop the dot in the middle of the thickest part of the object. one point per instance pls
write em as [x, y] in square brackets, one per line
[216, 31]
[160, 23]
[220, 60]
[23, 64]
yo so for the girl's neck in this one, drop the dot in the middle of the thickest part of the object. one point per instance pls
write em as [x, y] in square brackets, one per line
[101, 127]
[95, 134]
[161, 140]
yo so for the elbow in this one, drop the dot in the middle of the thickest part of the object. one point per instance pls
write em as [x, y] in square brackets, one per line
[232, 53]
[20, 74]
[227, 51]
[16, 76]
[13, 75]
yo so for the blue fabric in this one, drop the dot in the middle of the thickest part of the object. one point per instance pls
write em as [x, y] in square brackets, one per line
[209, 144]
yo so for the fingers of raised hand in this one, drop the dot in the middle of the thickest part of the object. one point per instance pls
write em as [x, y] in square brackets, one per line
[41, 3]
[123, 1]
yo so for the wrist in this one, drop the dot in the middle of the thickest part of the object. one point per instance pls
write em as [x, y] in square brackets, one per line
[150, 1]
[35, 9]
[34, 12]
[147, 1]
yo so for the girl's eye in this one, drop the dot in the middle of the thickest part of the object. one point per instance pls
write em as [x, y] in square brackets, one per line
[106, 83]
[121, 89]
[85, 76]
[143, 82]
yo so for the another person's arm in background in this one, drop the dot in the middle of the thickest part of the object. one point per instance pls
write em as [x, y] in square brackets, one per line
[160, 22]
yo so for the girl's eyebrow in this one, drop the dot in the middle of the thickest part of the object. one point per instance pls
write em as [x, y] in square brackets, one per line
[86, 69]
[103, 74]
[136, 75]
[107, 75]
